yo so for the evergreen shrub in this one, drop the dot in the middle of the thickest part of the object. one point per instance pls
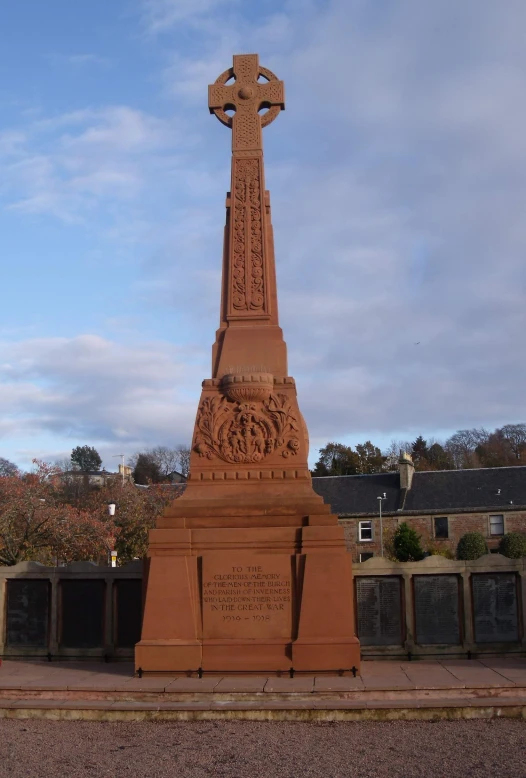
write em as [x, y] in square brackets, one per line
[472, 545]
[513, 545]
[406, 544]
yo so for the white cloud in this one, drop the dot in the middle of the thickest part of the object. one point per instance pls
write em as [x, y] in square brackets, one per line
[163, 15]
[11, 143]
[89, 387]
[70, 164]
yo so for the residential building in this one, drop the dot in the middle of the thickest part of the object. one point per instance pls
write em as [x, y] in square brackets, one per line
[441, 505]
[97, 478]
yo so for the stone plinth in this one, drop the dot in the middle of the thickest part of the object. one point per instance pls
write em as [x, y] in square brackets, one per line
[257, 598]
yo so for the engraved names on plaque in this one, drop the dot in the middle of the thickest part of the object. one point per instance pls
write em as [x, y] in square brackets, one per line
[437, 609]
[247, 596]
[82, 613]
[379, 610]
[27, 612]
[495, 608]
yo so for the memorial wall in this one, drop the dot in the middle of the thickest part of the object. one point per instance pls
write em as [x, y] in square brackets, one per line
[81, 610]
[440, 607]
[434, 607]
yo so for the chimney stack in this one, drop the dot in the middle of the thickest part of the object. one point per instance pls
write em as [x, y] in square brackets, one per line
[406, 469]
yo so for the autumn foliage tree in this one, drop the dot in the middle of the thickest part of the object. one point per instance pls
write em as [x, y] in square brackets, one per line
[39, 523]
[136, 511]
[467, 448]
[339, 459]
[336, 459]
[36, 525]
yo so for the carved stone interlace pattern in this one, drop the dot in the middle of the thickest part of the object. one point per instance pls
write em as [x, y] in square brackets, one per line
[247, 129]
[248, 284]
[240, 89]
[246, 432]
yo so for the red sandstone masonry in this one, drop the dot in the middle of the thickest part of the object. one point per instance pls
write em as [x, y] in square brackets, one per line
[249, 511]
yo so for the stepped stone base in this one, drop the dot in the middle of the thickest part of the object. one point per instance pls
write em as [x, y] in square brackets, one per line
[248, 598]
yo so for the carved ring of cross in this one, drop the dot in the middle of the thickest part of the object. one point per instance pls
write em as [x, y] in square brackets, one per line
[246, 93]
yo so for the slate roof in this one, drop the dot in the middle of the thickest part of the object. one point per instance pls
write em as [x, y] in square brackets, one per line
[439, 491]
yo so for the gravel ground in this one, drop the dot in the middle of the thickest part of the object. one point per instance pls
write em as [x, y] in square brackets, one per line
[238, 749]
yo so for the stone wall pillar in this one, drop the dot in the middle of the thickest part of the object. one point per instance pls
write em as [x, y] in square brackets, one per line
[54, 614]
[522, 601]
[3, 612]
[109, 641]
[409, 611]
[467, 609]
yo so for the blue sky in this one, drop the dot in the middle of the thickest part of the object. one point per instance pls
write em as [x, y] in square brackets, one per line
[398, 187]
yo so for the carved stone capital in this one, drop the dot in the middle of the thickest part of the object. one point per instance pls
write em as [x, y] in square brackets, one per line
[251, 387]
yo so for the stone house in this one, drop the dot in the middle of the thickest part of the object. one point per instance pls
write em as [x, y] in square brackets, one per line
[441, 505]
[175, 477]
[96, 478]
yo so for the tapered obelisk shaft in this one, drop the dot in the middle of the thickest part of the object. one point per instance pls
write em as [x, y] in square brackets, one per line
[249, 297]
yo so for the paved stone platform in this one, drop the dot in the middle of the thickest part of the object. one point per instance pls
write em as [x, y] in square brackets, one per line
[439, 689]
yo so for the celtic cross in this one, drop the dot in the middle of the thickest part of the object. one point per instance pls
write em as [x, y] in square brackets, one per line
[246, 96]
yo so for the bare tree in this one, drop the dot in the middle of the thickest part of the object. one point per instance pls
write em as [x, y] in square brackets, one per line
[64, 464]
[463, 444]
[516, 436]
[184, 459]
[8, 468]
[392, 453]
[166, 459]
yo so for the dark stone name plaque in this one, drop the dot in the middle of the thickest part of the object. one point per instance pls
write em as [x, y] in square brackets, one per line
[27, 612]
[379, 610]
[128, 612]
[495, 612]
[82, 613]
[437, 609]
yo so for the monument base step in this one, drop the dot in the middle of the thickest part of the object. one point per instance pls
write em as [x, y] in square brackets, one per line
[237, 656]
[428, 690]
[400, 709]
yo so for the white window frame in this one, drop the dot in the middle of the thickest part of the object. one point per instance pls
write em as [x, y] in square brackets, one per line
[361, 528]
[496, 534]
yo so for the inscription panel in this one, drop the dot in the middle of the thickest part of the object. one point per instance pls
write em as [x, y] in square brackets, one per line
[82, 613]
[128, 595]
[495, 611]
[247, 596]
[379, 610]
[437, 609]
[27, 612]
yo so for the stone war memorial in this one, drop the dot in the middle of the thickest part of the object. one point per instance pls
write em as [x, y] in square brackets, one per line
[248, 570]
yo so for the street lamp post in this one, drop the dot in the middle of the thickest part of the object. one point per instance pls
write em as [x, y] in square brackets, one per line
[113, 553]
[122, 467]
[380, 501]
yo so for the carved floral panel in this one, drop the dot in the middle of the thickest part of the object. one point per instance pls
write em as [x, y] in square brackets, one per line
[245, 432]
[248, 280]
